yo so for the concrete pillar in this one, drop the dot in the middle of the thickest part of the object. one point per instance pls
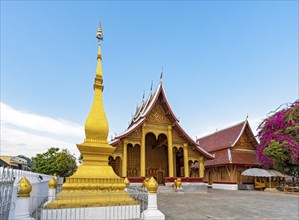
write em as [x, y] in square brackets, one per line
[142, 153]
[124, 165]
[52, 189]
[152, 211]
[23, 200]
[186, 166]
[170, 152]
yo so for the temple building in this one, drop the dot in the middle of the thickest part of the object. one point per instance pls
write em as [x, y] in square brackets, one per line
[234, 149]
[154, 144]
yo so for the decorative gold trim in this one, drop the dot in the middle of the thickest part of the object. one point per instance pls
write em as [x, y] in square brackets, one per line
[152, 185]
[52, 183]
[24, 188]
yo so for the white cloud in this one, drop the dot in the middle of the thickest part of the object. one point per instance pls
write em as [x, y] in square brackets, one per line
[38, 122]
[28, 134]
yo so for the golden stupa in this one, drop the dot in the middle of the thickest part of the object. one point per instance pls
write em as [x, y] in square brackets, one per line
[95, 183]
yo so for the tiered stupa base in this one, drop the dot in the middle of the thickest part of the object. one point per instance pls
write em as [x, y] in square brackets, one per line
[93, 192]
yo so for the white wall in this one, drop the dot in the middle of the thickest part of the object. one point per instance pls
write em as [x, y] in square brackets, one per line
[225, 186]
[39, 191]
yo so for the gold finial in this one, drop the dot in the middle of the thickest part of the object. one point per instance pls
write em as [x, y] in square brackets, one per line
[127, 182]
[24, 188]
[152, 185]
[52, 183]
[145, 182]
[99, 35]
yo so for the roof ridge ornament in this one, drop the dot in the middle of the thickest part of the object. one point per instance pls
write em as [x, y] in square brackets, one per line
[161, 76]
[151, 90]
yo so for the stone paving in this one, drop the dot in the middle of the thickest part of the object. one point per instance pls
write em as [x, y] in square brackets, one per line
[226, 204]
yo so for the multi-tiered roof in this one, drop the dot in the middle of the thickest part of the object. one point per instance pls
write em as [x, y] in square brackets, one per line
[234, 145]
[144, 109]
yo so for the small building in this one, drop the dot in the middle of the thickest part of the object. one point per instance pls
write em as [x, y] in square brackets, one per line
[234, 149]
[14, 162]
[155, 145]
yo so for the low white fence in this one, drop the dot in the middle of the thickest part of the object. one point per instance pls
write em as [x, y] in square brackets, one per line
[33, 205]
[6, 188]
[39, 183]
[114, 212]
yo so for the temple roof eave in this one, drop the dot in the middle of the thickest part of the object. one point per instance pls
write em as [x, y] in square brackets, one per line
[130, 130]
[192, 142]
[227, 137]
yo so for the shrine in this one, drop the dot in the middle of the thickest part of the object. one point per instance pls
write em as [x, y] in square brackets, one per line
[235, 151]
[155, 144]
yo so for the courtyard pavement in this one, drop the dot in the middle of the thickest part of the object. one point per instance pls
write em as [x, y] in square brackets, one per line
[226, 204]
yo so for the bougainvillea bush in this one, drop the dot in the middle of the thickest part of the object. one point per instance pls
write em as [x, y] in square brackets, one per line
[279, 140]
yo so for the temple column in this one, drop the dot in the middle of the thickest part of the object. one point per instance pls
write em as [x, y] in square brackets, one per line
[124, 165]
[186, 166]
[170, 152]
[174, 163]
[201, 167]
[142, 153]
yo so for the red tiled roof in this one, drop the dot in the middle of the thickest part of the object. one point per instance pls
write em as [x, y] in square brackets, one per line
[221, 157]
[221, 139]
[244, 157]
[238, 157]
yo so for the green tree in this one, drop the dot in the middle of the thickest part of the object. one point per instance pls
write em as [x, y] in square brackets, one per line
[54, 161]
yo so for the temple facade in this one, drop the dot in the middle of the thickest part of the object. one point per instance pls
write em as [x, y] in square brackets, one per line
[234, 149]
[154, 144]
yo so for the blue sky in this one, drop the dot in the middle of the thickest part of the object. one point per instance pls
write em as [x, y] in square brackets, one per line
[222, 60]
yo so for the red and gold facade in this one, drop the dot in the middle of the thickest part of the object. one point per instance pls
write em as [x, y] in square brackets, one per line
[155, 145]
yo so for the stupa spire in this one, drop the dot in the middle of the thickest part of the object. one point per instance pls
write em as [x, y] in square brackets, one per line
[94, 176]
[100, 37]
[96, 125]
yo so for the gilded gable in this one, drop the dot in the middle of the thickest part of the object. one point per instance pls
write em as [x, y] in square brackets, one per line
[176, 138]
[135, 134]
[244, 143]
[157, 115]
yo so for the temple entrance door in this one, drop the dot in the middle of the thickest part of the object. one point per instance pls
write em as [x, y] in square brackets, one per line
[179, 162]
[156, 156]
[133, 160]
